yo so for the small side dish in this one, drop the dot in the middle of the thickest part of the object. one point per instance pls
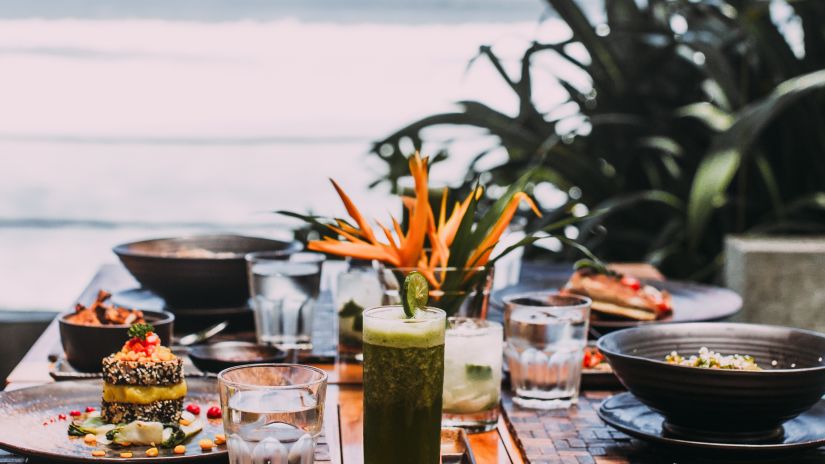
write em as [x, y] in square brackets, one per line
[712, 360]
[101, 313]
[617, 295]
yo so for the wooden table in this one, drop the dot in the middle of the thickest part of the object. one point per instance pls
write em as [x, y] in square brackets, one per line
[574, 436]
[344, 394]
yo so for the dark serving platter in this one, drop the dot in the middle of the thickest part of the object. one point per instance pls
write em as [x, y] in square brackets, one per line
[692, 302]
[29, 424]
[629, 415]
[202, 271]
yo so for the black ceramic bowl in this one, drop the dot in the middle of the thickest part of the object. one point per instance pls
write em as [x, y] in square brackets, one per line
[216, 357]
[715, 404]
[206, 271]
[86, 345]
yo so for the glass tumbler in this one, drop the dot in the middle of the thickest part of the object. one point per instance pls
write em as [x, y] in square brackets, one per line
[472, 373]
[403, 381]
[283, 291]
[272, 413]
[546, 334]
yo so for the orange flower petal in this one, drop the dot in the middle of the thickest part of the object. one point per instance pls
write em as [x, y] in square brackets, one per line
[419, 214]
[366, 230]
[355, 250]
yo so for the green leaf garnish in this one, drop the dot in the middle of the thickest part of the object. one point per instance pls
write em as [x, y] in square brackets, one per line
[140, 330]
[477, 372]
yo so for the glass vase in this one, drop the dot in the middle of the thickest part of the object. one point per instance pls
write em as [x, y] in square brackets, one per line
[461, 292]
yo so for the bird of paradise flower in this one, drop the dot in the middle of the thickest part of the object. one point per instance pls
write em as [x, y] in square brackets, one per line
[430, 245]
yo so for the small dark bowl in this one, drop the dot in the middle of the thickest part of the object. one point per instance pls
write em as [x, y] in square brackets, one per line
[87, 345]
[191, 281]
[714, 404]
[223, 355]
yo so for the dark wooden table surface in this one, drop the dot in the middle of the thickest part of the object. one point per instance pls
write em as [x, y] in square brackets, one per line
[574, 436]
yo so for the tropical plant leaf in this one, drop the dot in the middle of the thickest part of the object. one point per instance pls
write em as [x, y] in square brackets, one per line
[622, 12]
[716, 170]
[695, 112]
[711, 115]
[604, 68]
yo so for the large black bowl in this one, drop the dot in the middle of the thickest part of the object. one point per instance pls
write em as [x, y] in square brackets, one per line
[186, 280]
[86, 345]
[714, 404]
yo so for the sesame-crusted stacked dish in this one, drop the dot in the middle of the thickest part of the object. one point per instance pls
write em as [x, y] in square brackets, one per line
[143, 381]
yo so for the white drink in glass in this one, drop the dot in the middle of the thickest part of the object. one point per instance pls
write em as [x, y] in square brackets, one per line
[472, 374]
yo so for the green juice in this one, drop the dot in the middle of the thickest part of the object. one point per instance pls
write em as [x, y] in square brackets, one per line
[403, 381]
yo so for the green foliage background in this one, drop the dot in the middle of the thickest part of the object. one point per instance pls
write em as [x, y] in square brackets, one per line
[698, 119]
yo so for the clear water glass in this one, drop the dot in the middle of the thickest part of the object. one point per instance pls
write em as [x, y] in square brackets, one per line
[472, 374]
[284, 290]
[272, 413]
[546, 334]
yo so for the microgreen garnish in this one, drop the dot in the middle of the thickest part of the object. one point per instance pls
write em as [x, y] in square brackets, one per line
[140, 330]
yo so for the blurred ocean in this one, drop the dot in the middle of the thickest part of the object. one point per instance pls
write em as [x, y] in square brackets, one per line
[129, 120]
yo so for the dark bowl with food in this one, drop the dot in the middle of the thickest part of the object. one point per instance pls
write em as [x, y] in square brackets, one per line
[216, 357]
[206, 271]
[746, 406]
[86, 345]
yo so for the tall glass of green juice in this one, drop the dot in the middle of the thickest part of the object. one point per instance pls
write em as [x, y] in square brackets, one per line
[403, 381]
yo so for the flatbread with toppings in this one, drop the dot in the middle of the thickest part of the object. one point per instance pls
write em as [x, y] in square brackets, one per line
[618, 295]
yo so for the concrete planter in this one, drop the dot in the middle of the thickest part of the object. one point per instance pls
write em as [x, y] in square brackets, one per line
[781, 279]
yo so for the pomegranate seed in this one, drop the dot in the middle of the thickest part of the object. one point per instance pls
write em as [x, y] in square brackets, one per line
[61, 416]
[74, 413]
[214, 413]
[90, 409]
[194, 409]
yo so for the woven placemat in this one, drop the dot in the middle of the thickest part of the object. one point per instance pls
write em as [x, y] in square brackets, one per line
[578, 436]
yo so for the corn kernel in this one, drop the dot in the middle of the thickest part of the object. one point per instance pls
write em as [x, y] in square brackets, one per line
[206, 444]
[184, 422]
[220, 439]
[180, 449]
[126, 454]
[98, 453]
[152, 452]
[90, 439]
